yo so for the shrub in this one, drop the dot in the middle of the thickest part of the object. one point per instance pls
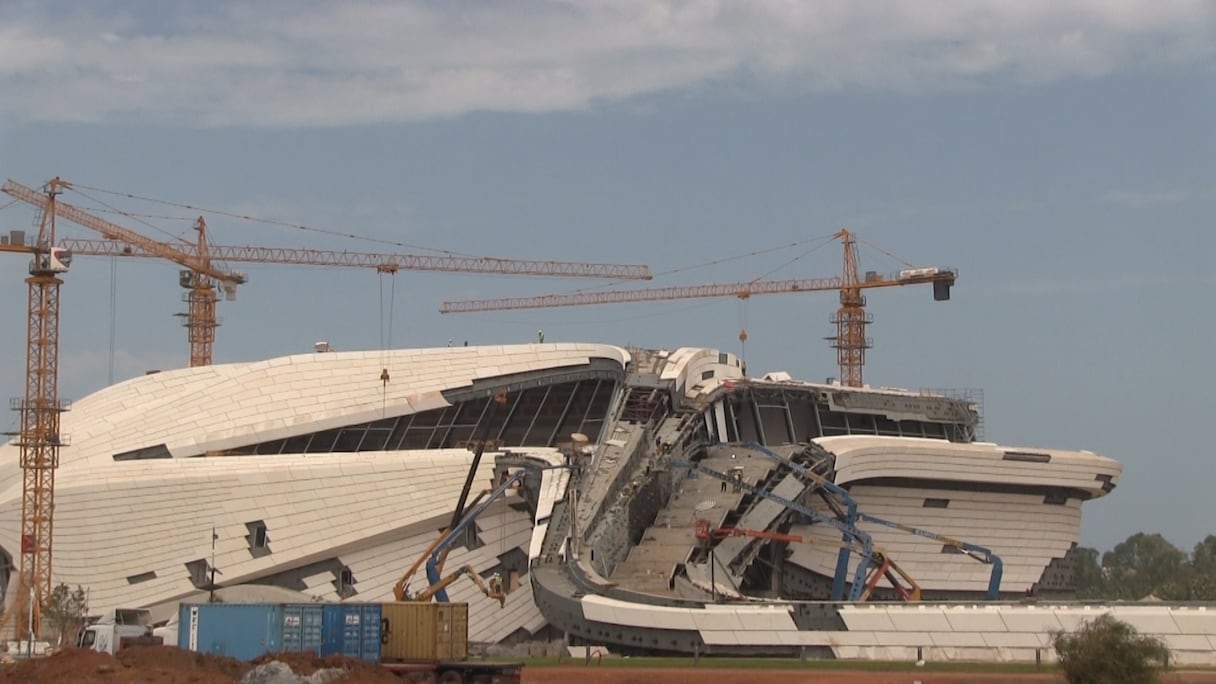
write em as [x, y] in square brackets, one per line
[1108, 651]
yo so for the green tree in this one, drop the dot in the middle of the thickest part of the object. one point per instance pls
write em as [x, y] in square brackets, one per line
[1108, 651]
[1090, 580]
[65, 610]
[1203, 570]
[1145, 564]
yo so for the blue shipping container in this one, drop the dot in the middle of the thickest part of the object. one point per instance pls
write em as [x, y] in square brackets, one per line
[237, 630]
[353, 630]
[302, 627]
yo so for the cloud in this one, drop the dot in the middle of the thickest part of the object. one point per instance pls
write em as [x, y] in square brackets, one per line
[279, 63]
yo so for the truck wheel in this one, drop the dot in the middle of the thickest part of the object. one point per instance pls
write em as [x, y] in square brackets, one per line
[451, 677]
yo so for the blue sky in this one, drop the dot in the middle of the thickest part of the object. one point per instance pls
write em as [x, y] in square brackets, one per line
[1058, 154]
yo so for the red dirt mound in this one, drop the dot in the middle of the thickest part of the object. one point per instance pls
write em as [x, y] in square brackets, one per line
[70, 665]
[181, 660]
[138, 664]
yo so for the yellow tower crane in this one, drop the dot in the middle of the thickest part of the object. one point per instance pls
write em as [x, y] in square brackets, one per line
[850, 319]
[39, 438]
[202, 278]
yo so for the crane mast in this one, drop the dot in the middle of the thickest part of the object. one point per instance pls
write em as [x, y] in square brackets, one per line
[39, 438]
[201, 321]
[851, 318]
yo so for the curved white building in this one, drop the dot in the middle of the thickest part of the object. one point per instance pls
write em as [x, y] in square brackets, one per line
[1023, 503]
[315, 475]
[330, 473]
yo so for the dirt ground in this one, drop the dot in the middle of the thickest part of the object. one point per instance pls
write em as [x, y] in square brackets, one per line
[631, 675]
[171, 665]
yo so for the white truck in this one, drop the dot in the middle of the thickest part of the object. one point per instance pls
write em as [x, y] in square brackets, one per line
[116, 629]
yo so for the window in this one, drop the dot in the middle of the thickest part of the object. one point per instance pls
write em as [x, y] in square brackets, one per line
[345, 583]
[258, 538]
[198, 570]
[272, 447]
[141, 577]
[296, 445]
[723, 358]
[705, 375]
[936, 503]
[157, 451]
[1026, 457]
[348, 440]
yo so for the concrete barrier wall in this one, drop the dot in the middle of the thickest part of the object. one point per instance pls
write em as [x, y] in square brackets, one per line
[1009, 633]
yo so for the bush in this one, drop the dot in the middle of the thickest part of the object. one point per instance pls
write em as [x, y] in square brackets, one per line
[1108, 651]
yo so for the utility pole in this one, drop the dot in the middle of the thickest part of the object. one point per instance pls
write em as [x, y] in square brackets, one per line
[211, 567]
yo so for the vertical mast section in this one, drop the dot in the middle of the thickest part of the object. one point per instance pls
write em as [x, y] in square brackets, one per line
[40, 440]
[851, 318]
[201, 321]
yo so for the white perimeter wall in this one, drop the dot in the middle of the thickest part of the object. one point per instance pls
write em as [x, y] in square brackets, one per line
[996, 633]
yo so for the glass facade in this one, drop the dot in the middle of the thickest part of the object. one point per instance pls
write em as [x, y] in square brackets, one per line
[536, 416]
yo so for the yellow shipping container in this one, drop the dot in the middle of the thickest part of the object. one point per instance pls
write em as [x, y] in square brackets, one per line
[424, 632]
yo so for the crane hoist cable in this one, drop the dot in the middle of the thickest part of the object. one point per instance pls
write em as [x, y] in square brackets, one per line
[819, 241]
[270, 222]
[113, 312]
[742, 304]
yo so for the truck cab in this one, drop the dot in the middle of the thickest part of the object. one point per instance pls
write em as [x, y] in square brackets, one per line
[117, 629]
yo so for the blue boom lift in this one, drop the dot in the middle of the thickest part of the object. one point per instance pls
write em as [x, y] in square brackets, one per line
[852, 515]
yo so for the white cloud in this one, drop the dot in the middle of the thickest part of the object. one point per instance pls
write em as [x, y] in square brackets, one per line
[276, 63]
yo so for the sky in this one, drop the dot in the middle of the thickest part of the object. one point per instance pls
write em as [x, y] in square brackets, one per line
[1059, 155]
